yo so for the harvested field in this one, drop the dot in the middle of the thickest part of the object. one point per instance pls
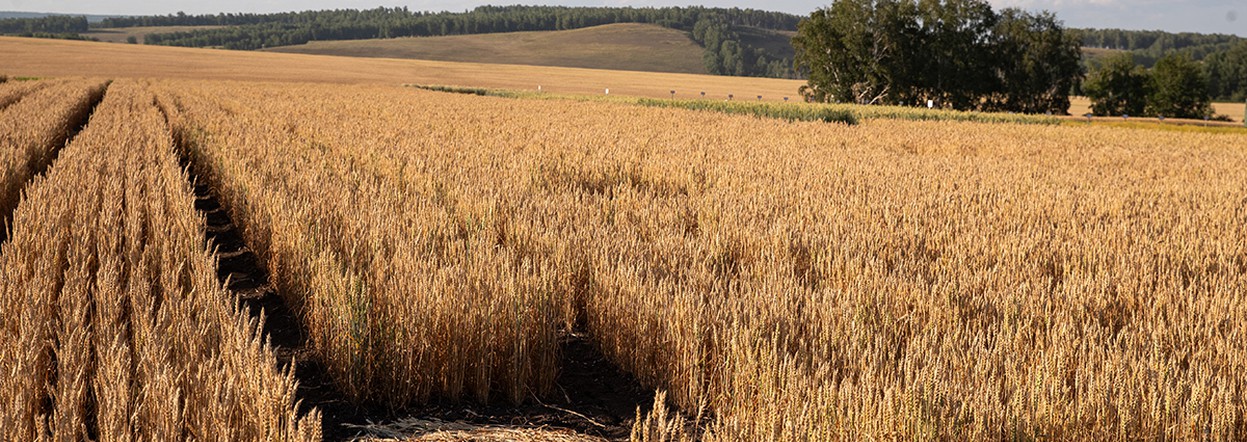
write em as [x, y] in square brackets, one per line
[619, 46]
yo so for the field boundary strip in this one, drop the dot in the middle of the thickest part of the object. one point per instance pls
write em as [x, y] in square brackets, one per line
[848, 114]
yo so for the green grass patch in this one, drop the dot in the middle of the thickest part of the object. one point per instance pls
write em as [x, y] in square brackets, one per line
[761, 109]
[467, 90]
[789, 111]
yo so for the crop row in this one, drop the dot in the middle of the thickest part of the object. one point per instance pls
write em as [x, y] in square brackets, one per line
[35, 127]
[113, 325]
[12, 91]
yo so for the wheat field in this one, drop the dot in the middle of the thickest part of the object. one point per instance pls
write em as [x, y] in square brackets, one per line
[114, 324]
[929, 280]
[36, 119]
[769, 280]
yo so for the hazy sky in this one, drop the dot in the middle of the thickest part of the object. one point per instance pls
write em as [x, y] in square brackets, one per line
[1221, 16]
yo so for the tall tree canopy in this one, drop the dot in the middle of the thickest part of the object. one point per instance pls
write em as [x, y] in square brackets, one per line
[958, 53]
[1227, 73]
[1119, 87]
[1178, 89]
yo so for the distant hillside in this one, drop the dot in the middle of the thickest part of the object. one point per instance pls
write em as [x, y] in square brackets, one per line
[778, 43]
[1149, 46]
[121, 35]
[733, 41]
[623, 46]
[1222, 56]
[719, 31]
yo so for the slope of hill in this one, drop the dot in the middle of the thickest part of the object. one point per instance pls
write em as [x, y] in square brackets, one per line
[621, 46]
[63, 58]
[778, 43]
[119, 35]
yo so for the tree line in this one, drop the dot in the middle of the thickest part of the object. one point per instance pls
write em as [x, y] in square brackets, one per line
[1221, 57]
[727, 53]
[535, 17]
[954, 54]
[52, 24]
[1175, 87]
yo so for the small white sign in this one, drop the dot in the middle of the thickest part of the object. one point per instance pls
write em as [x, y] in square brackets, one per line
[930, 104]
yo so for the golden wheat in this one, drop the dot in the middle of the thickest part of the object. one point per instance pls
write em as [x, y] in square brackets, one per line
[801, 281]
[13, 91]
[33, 129]
[114, 324]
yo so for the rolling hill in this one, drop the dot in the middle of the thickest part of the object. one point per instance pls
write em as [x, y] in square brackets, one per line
[622, 46]
[34, 57]
[119, 35]
[775, 42]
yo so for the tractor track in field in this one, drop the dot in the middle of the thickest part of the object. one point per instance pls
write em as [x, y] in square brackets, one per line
[239, 269]
[78, 123]
[592, 397]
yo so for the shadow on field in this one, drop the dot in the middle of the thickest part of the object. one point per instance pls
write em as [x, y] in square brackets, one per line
[593, 400]
[240, 269]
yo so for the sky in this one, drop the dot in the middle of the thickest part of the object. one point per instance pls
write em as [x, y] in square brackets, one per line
[1207, 16]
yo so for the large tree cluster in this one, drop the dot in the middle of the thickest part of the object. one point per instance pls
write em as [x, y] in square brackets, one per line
[1176, 87]
[955, 54]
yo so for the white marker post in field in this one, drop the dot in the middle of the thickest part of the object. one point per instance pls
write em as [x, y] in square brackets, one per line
[608, 91]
